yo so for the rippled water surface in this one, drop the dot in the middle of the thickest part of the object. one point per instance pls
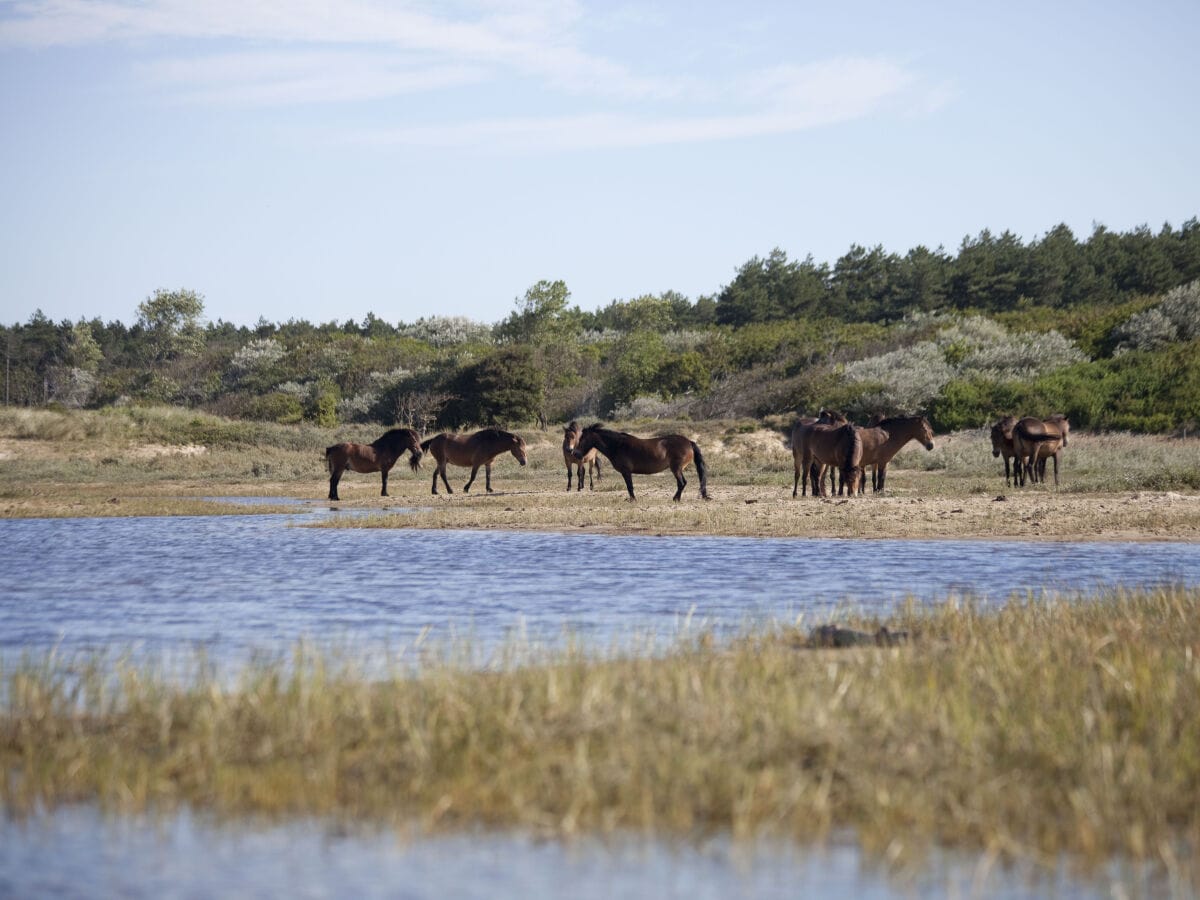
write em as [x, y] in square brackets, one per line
[241, 584]
[236, 584]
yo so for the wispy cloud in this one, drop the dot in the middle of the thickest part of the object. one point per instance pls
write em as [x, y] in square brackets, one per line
[778, 102]
[287, 52]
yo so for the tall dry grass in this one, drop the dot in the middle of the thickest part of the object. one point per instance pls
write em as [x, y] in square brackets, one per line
[1043, 729]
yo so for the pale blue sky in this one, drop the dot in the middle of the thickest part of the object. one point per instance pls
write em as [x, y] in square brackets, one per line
[320, 160]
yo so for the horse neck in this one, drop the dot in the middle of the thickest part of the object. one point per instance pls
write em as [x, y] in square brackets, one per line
[908, 430]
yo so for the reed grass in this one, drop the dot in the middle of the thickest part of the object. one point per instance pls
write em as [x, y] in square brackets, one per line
[1046, 729]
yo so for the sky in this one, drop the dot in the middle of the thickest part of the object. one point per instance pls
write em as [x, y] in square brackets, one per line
[322, 159]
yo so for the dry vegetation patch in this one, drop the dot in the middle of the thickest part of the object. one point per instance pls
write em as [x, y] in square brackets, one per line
[1045, 728]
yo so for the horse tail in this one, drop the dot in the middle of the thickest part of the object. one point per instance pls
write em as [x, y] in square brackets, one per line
[856, 449]
[425, 444]
[329, 458]
[1032, 438]
[701, 469]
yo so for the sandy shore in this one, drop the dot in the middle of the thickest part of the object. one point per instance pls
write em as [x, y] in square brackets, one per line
[746, 510]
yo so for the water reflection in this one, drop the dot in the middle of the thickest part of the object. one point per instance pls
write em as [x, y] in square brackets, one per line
[235, 584]
[77, 852]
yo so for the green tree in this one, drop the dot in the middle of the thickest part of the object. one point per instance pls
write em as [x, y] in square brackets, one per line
[541, 315]
[171, 322]
[503, 389]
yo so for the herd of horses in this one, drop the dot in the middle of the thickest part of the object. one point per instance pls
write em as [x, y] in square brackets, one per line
[1030, 442]
[825, 444]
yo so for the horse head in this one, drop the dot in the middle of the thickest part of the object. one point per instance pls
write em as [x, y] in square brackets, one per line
[926, 433]
[1064, 426]
[518, 449]
[588, 438]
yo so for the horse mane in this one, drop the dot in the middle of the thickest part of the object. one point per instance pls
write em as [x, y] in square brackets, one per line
[891, 420]
[598, 428]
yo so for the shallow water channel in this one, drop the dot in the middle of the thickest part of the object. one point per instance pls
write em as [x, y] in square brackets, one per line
[240, 585]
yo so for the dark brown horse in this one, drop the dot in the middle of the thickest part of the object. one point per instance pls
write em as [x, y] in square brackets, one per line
[799, 431]
[631, 455]
[885, 440]
[839, 446]
[1035, 441]
[473, 450]
[378, 456]
[1002, 442]
[591, 458]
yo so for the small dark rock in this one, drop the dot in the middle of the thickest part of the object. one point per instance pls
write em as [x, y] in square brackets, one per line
[834, 636]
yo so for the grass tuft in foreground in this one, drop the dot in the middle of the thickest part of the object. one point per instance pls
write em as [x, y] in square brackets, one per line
[1043, 728]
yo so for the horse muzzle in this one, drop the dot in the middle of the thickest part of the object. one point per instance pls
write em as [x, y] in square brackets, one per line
[995, 453]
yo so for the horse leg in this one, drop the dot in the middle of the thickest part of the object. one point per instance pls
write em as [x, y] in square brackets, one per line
[487, 476]
[1006, 471]
[1056, 470]
[384, 473]
[579, 476]
[445, 481]
[568, 477]
[629, 484]
[334, 478]
[796, 481]
[680, 483]
[471, 480]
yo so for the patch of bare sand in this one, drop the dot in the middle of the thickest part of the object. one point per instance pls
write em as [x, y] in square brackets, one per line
[19, 449]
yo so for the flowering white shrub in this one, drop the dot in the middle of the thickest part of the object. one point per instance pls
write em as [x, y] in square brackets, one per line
[644, 408]
[294, 389]
[1182, 306]
[975, 346]
[683, 341]
[908, 378]
[602, 336]
[1021, 356]
[257, 355]
[1176, 318]
[446, 331]
[357, 408]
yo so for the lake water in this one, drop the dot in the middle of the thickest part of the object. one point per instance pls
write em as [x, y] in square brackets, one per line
[239, 584]
[236, 585]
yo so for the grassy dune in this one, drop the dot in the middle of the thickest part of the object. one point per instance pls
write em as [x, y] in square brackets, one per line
[1048, 728]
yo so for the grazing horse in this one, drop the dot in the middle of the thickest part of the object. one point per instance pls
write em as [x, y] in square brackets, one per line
[474, 450]
[1035, 441]
[1002, 442]
[378, 456]
[800, 431]
[839, 446]
[631, 455]
[885, 440]
[570, 438]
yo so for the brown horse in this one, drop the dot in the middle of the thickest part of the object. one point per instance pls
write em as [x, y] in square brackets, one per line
[631, 456]
[799, 431]
[885, 440]
[570, 438]
[1002, 442]
[378, 456]
[1035, 441]
[831, 445]
[474, 450]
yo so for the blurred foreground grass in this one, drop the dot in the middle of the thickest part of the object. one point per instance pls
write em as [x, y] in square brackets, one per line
[1042, 730]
